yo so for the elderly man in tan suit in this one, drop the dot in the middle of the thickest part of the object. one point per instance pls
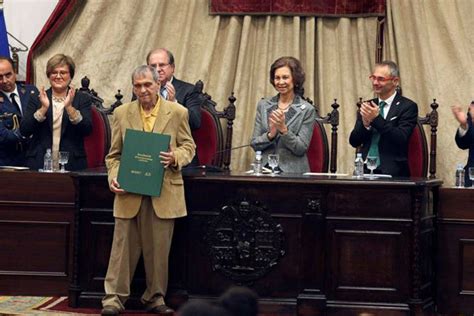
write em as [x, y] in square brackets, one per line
[144, 224]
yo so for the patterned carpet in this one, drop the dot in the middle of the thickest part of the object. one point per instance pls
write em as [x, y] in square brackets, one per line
[23, 305]
[50, 306]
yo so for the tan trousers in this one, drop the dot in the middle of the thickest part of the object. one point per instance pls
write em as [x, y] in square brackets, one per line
[144, 233]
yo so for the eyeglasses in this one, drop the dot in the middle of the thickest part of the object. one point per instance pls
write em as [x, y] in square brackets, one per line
[380, 79]
[159, 66]
[59, 73]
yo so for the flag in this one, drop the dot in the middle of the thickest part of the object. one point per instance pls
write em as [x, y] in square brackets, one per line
[4, 49]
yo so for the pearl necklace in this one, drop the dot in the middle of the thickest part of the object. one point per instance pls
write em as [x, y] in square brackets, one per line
[58, 99]
[284, 108]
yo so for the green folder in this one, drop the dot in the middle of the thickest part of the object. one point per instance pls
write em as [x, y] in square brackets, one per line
[140, 168]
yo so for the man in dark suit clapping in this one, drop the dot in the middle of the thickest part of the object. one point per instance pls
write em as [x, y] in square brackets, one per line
[173, 89]
[386, 123]
[465, 135]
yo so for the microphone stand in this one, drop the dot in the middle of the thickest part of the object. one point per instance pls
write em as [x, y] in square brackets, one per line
[211, 168]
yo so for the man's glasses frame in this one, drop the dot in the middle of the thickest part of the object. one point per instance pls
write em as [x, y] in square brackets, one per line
[380, 79]
[160, 66]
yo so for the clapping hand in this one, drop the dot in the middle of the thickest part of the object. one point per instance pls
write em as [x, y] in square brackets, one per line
[171, 91]
[43, 97]
[460, 116]
[369, 111]
[277, 121]
[69, 97]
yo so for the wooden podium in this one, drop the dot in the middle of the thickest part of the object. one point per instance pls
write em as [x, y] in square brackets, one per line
[307, 245]
[37, 220]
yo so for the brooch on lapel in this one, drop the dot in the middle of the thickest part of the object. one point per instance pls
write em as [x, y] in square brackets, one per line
[303, 106]
[398, 103]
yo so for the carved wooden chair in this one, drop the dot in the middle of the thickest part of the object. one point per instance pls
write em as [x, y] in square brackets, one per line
[212, 149]
[418, 157]
[97, 143]
[319, 157]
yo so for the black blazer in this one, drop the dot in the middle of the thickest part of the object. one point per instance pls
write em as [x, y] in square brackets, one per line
[467, 142]
[189, 96]
[72, 136]
[395, 132]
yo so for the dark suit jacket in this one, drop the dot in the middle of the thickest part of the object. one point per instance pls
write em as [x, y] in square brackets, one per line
[467, 142]
[189, 96]
[395, 131]
[72, 136]
[12, 146]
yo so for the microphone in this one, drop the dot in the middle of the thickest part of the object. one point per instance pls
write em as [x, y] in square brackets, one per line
[232, 148]
[212, 168]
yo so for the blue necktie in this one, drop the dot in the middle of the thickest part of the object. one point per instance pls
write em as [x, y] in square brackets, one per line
[374, 144]
[164, 93]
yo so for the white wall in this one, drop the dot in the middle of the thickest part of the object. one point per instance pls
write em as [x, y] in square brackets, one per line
[24, 20]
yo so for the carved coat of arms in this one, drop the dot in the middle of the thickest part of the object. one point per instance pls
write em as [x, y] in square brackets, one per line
[244, 242]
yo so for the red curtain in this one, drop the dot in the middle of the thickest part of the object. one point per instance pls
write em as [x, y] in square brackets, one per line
[335, 8]
[55, 21]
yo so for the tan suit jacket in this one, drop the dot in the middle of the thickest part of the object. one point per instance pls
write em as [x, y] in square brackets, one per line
[172, 120]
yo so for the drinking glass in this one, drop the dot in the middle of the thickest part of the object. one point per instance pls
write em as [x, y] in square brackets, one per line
[471, 175]
[273, 160]
[371, 165]
[63, 159]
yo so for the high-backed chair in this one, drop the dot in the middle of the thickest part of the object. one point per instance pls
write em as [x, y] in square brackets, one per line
[211, 148]
[418, 160]
[318, 151]
[418, 157]
[97, 143]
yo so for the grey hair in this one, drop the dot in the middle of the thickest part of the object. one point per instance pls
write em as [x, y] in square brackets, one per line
[142, 70]
[394, 72]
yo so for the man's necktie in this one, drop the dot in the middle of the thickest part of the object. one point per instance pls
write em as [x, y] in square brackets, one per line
[374, 144]
[164, 93]
[15, 103]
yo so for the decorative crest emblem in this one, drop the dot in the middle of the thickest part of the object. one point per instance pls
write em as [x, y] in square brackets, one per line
[244, 242]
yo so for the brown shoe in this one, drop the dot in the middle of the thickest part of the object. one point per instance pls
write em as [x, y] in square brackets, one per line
[110, 310]
[161, 309]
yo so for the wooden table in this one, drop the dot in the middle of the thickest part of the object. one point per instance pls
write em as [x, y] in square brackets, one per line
[36, 232]
[455, 291]
[308, 245]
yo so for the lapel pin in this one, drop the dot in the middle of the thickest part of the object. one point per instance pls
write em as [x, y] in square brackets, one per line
[398, 102]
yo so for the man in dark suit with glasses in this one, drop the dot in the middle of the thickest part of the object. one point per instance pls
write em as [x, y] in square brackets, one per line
[385, 123]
